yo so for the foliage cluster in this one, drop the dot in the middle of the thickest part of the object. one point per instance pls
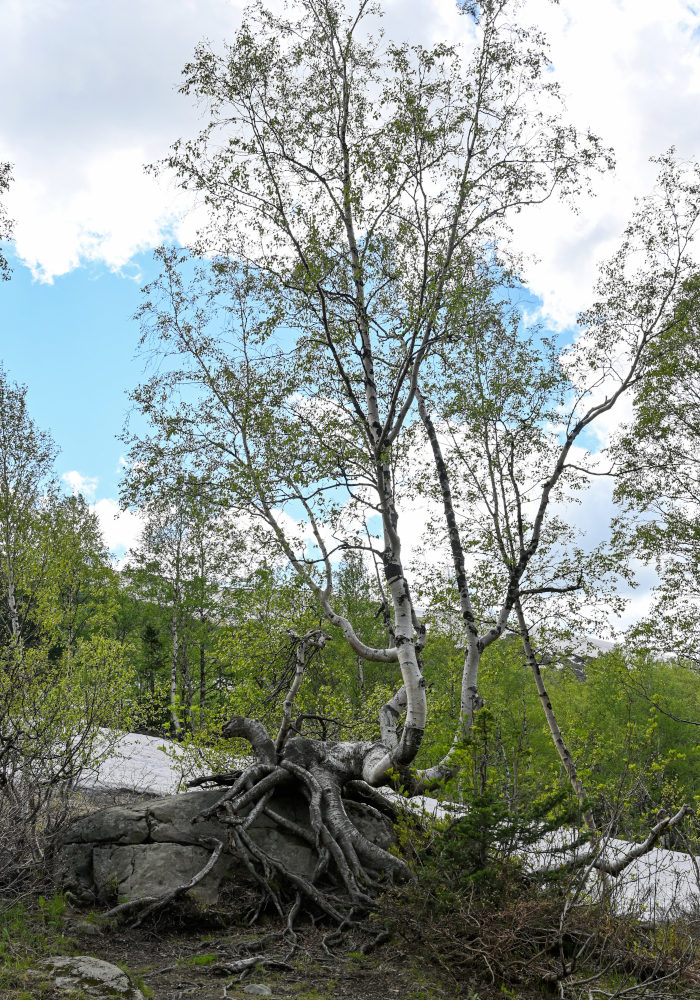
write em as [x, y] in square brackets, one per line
[63, 672]
[626, 724]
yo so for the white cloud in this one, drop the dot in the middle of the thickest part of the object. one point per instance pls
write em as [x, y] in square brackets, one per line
[113, 212]
[80, 483]
[120, 528]
[630, 70]
[94, 97]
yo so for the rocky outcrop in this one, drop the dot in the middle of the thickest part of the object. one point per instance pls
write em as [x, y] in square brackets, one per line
[137, 870]
[127, 852]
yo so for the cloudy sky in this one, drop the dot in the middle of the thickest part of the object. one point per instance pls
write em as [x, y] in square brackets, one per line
[91, 96]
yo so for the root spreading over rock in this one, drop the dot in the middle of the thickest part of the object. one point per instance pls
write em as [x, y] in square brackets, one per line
[349, 867]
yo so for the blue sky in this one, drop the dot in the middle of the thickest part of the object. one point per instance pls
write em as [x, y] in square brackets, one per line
[94, 98]
[74, 344]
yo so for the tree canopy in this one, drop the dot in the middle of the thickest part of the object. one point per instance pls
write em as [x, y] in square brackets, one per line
[352, 342]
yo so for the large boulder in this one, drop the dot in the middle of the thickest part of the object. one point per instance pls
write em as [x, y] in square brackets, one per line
[131, 871]
[151, 848]
[116, 825]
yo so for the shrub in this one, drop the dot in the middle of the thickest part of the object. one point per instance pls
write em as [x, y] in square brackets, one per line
[490, 922]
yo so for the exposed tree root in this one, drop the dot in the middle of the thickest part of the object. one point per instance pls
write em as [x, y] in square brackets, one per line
[349, 868]
[360, 791]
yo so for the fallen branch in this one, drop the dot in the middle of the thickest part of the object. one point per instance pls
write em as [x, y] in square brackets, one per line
[243, 964]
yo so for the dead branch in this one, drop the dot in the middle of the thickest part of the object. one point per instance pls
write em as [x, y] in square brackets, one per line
[244, 964]
[305, 646]
[228, 778]
[619, 865]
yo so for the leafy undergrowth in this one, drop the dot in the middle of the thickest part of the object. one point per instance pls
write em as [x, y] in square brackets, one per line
[29, 931]
[493, 928]
[500, 941]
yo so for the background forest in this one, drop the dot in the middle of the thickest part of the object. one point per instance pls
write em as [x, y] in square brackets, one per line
[196, 628]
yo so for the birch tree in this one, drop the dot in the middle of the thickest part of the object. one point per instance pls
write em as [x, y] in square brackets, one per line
[505, 412]
[159, 571]
[359, 198]
[184, 558]
[26, 464]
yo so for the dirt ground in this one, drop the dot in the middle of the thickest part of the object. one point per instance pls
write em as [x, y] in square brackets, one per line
[180, 966]
[174, 957]
[172, 962]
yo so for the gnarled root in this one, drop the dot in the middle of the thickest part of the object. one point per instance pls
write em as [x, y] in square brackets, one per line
[349, 866]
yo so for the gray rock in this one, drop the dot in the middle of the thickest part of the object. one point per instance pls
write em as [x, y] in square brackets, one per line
[294, 853]
[170, 819]
[258, 990]
[97, 979]
[87, 929]
[292, 807]
[150, 849]
[371, 823]
[75, 868]
[136, 870]
[118, 825]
